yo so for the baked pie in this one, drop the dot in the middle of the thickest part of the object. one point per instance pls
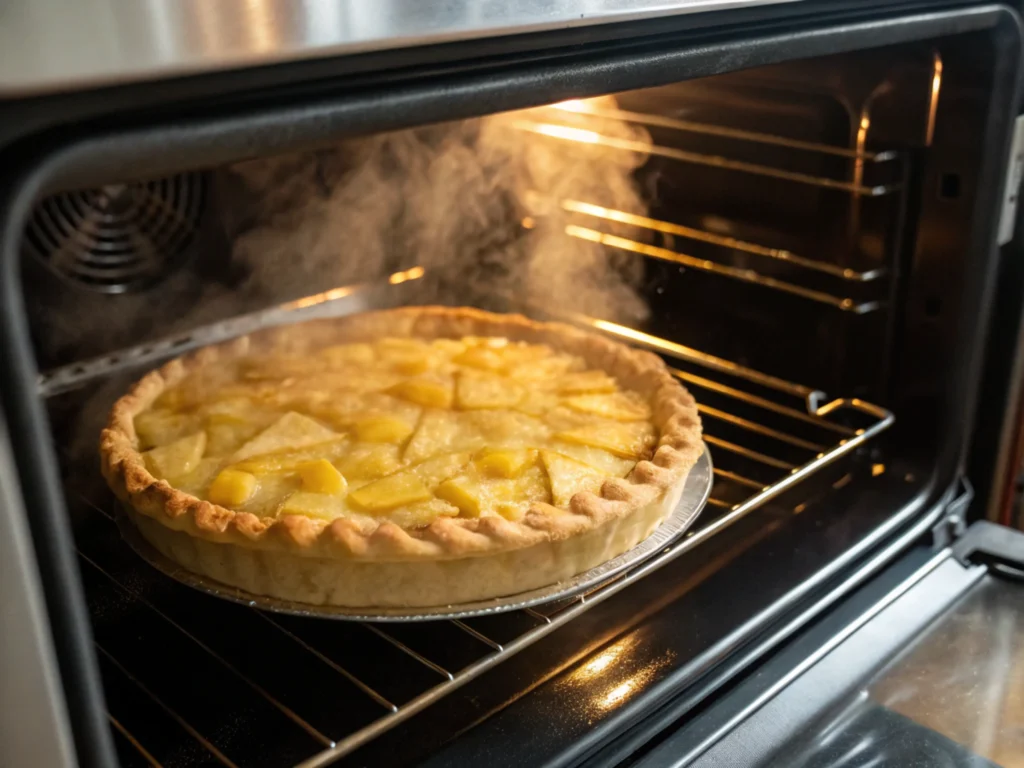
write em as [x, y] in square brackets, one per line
[417, 457]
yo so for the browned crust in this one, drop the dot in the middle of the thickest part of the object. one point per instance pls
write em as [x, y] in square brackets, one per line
[674, 413]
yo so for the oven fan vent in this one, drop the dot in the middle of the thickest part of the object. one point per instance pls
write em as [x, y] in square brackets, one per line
[119, 237]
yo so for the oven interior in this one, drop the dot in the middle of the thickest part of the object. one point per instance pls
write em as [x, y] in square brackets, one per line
[799, 241]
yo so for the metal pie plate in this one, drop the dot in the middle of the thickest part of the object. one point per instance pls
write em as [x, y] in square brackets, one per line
[694, 496]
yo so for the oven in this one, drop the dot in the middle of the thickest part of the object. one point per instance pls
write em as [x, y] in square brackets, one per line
[807, 208]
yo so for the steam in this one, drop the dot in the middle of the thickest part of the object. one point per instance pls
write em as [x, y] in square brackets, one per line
[478, 200]
[450, 198]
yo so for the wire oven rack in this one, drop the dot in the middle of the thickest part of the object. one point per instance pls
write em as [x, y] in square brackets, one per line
[860, 174]
[186, 677]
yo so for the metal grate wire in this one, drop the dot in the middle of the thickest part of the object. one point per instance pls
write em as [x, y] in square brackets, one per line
[767, 436]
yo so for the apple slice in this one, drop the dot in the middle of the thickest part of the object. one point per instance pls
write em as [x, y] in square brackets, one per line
[160, 427]
[232, 488]
[381, 429]
[198, 480]
[544, 370]
[568, 477]
[504, 462]
[438, 432]
[227, 433]
[586, 382]
[428, 392]
[465, 493]
[436, 470]
[481, 358]
[178, 458]
[290, 461]
[422, 513]
[320, 476]
[476, 391]
[616, 405]
[627, 441]
[324, 506]
[369, 462]
[290, 432]
[390, 492]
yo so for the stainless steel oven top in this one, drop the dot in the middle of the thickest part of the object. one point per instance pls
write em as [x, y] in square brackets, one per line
[48, 45]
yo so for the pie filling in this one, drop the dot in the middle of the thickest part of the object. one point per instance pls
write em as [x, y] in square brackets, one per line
[404, 430]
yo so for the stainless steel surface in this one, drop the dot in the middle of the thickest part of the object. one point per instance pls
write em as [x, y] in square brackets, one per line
[34, 728]
[808, 722]
[48, 45]
[811, 660]
[694, 497]
[1014, 175]
[965, 678]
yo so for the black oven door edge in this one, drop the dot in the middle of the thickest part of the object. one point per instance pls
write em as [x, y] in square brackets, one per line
[560, 723]
[916, 667]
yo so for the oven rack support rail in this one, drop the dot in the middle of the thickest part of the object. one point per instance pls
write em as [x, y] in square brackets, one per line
[589, 219]
[569, 133]
[768, 436]
[859, 173]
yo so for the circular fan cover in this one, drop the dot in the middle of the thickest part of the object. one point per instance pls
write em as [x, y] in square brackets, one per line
[121, 236]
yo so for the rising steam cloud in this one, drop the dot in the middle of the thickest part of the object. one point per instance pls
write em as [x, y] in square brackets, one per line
[454, 199]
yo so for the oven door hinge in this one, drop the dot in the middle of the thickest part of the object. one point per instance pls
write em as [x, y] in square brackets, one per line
[1014, 173]
[951, 526]
[993, 544]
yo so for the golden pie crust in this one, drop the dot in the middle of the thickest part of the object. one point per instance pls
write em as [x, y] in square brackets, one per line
[453, 559]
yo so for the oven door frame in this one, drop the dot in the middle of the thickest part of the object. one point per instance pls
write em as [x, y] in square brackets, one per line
[45, 152]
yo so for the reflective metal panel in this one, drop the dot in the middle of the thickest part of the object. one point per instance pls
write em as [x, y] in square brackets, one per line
[965, 679]
[70, 44]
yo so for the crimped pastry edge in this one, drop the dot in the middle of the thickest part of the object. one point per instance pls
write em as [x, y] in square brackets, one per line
[424, 584]
[674, 414]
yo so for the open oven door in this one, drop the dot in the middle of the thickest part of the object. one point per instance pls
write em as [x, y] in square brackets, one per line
[924, 666]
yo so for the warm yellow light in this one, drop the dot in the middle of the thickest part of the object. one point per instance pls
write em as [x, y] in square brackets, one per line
[320, 298]
[617, 694]
[567, 132]
[597, 665]
[528, 222]
[933, 102]
[415, 273]
[583, 233]
[573, 105]
[877, 469]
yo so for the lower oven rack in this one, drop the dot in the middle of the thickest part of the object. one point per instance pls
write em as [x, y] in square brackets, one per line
[767, 435]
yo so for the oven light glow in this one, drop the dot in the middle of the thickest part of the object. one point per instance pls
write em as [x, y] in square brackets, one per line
[415, 273]
[618, 693]
[583, 233]
[933, 103]
[602, 661]
[573, 105]
[567, 132]
[598, 664]
[320, 298]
